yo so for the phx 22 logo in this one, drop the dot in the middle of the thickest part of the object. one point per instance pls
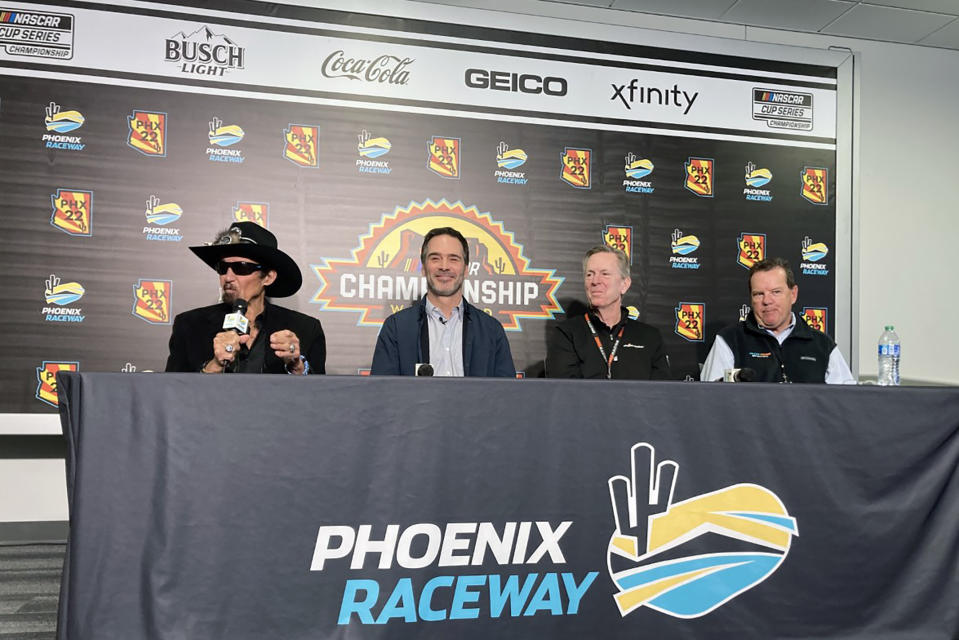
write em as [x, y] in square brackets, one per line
[384, 273]
[688, 558]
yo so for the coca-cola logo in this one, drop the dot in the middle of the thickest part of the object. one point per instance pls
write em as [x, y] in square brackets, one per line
[382, 69]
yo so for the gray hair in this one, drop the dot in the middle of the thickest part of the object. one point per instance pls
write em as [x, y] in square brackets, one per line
[620, 258]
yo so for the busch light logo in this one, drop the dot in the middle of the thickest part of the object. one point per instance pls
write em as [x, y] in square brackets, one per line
[204, 53]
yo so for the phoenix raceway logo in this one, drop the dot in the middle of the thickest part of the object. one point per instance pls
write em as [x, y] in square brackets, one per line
[61, 122]
[691, 321]
[507, 161]
[301, 145]
[383, 69]
[699, 176]
[681, 246]
[47, 379]
[370, 148]
[688, 558]
[752, 249]
[158, 215]
[384, 272]
[57, 294]
[756, 178]
[222, 136]
[619, 237]
[152, 300]
[636, 169]
[816, 317]
[147, 133]
[72, 211]
[258, 212]
[812, 253]
[204, 53]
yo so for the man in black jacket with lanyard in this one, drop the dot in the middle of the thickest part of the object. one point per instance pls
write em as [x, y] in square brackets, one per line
[276, 340]
[606, 342]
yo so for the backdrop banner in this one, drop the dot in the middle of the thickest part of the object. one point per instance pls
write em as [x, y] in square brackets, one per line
[282, 507]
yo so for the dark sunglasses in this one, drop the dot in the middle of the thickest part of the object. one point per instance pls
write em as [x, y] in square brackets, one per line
[239, 268]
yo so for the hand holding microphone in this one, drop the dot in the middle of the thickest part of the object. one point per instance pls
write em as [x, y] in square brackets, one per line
[229, 342]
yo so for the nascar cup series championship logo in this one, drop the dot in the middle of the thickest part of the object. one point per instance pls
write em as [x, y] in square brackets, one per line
[688, 558]
[384, 273]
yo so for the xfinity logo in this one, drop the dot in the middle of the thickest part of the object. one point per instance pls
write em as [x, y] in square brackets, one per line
[204, 52]
[382, 69]
[634, 92]
[515, 82]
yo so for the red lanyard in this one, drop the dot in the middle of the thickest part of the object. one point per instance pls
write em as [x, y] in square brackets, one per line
[602, 351]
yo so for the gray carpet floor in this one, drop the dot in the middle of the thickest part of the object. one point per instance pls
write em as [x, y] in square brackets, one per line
[29, 590]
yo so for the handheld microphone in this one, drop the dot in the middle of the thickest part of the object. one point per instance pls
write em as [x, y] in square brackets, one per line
[424, 369]
[236, 319]
[746, 374]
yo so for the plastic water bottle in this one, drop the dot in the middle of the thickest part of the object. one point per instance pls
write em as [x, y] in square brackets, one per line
[889, 357]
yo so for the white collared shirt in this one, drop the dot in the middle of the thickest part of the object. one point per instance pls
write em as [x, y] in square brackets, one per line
[446, 340]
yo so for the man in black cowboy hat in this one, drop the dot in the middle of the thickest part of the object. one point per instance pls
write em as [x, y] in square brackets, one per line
[277, 340]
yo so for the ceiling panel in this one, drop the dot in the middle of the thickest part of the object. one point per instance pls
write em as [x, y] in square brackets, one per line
[946, 37]
[887, 23]
[705, 9]
[809, 15]
[940, 6]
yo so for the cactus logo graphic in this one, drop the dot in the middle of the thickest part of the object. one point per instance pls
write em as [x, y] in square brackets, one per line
[258, 212]
[222, 136]
[73, 211]
[681, 246]
[687, 558]
[147, 133]
[756, 178]
[744, 312]
[59, 123]
[752, 249]
[619, 238]
[56, 295]
[507, 161]
[159, 215]
[443, 157]
[384, 273]
[636, 169]
[370, 149]
[47, 379]
[152, 300]
[699, 176]
[815, 185]
[812, 253]
[816, 317]
[691, 321]
[300, 145]
[577, 167]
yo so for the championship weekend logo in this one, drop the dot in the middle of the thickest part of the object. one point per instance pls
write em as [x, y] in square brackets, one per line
[619, 237]
[222, 136]
[371, 148]
[816, 317]
[57, 295]
[814, 185]
[752, 249]
[61, 122]
[204, 53]
[258, 212]
[699, 176]
[812, 253]
[682, 246]
[73, 211]
[636, 169]
[36, 34]
[507, 161]
[756, 178]
[47, 379]
[443, 157]
[159, 215]
[691, 321]
[152, 299]
[384, 273]
[147, 133]
[300, 145]
[577, 167]
[675, 557]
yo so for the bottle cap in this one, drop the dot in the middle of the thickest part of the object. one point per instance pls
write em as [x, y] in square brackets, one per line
[889, 327]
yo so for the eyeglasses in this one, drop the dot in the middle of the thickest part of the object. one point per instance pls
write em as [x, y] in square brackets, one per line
[240, 268]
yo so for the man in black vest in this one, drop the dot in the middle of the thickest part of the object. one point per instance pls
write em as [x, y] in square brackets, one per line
[778, 345]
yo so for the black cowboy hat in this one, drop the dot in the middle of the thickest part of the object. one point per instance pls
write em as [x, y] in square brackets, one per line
[250, 240]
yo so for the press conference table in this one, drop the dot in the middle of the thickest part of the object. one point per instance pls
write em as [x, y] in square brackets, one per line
[354, 507]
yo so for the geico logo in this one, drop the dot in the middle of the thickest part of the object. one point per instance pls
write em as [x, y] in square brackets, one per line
[517, 82]
[423, 544]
